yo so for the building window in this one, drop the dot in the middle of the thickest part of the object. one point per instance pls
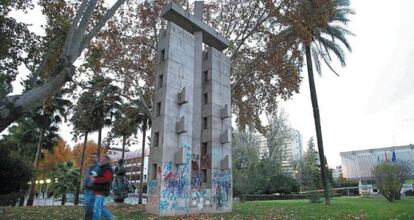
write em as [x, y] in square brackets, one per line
[162, 54]
[156, 139]
[205, 123]
[204, 176]
[158, 109]
[204, 148]
[205, 98]
[205, 76]
[154, 171]
[160, 81]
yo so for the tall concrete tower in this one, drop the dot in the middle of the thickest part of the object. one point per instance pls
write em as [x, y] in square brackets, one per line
[190, 160]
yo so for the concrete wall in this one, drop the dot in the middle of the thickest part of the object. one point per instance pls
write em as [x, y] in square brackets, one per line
[184, 176]
[169, 181]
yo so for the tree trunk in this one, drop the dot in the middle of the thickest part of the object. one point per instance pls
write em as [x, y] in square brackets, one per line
[15, 107]
[99, 141]
[123, 146]
[317, 124]
[78, 184]
[141, 179]
[21, 197]
[35, 167]
[63, 199]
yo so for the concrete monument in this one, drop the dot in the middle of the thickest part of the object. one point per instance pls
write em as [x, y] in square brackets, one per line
[190, 161]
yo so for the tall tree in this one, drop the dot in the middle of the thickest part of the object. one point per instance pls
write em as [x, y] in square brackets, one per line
[319, 26]
[47, 119]
[311, 172]
[78, 34]
[15, 39]
[83, 120]
[246, 158]
[15, 172]
[126, 123]
[64, 178]
[277, 135]
[60, 154]
[91, 147]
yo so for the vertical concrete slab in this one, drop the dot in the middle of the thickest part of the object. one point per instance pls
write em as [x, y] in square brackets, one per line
[190, 161]
[170, 159]
[220, 129]
[196, 141]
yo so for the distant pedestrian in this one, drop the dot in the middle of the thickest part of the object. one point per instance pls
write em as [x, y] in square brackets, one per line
[101, 187]
[88, 192]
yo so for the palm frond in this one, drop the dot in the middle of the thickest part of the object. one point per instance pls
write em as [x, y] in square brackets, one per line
[337, 32]
[341, 15]
[328, 63]
[342, 3]
[333, 47]
[316, 61]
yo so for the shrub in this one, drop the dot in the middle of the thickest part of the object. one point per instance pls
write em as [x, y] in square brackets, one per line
[390, 177]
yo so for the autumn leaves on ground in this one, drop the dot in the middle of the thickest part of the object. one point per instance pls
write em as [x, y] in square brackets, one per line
[341, 208]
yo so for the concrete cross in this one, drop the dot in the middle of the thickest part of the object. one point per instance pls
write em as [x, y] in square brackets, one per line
[193, 23]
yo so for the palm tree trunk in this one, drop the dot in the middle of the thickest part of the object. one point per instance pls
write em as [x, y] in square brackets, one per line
[317, 119]
[99, 141]
[80, 170]
[35, 167]
[123, 146]
[63, 199]
[141, 179]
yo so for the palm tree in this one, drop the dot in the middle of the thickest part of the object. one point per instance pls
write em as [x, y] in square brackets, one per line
[319, 26]
[126, 123]
[65, 177]
[47, 119]
[83, 122]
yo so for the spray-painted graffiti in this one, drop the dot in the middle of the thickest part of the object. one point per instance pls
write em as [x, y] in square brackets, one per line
[195, 172]
[159, 169]
[201, 199]
[176, 181]
[221, 182]
[153, 191]
[195, 179]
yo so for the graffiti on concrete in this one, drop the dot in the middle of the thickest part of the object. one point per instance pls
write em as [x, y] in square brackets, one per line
[153, 191]
[195, 179]
[176, 181]
[221, 183]
[201, 199]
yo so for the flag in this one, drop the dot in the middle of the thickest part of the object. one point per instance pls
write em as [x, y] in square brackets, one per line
[386, 157]
[394, 157]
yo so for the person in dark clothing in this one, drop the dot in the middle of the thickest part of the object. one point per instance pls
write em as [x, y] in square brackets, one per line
[89, 194]
[101, 187]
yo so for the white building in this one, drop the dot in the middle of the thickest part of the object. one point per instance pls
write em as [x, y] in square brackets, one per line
[359, 164]
[292, 153]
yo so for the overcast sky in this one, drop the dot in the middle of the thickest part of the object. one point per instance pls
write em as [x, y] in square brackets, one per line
[371, 104]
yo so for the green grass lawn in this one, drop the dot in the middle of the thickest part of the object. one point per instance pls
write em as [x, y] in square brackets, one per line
[341, 208]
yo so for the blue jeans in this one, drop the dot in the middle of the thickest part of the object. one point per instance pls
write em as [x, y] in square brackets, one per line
[100, 210]
[89, 203]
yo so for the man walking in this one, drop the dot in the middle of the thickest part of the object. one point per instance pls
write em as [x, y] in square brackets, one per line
[89, 194]
[101, 187]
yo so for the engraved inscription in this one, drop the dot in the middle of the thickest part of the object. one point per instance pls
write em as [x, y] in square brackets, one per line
[184, 34]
